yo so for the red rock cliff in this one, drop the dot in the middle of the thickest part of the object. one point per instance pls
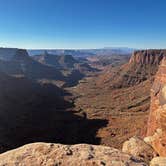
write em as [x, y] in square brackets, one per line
[142, 66]
[157, 119]
[145, 57]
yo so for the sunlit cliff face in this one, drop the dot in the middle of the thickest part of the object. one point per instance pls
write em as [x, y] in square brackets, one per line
[157, 118]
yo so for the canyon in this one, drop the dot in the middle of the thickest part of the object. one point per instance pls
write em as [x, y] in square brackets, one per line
[121, 95]
[82, 101]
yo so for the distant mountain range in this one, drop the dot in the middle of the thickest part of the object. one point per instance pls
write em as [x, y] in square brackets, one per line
[84, 52]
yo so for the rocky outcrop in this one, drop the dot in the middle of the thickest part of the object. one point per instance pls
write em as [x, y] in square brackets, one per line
[146, 57]
[158, 161]
[45, 154]
[138, 148]
[157, 118]
[142, 66]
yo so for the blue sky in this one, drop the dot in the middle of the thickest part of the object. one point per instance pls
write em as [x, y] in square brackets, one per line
[83, 23]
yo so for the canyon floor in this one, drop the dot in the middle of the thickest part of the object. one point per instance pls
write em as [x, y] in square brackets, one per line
[125, 109]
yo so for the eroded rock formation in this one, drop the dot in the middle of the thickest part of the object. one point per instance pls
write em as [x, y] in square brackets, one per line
[145, 57]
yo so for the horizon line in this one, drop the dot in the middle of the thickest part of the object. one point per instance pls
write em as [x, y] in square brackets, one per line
[114, 47]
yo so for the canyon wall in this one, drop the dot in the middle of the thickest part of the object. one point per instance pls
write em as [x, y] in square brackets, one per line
[145, 57]
[142, 66]
[157, 118]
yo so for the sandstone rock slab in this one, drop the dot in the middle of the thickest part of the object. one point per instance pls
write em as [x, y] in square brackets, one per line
[46, 154]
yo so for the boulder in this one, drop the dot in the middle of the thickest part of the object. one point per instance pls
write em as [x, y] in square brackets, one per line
[137, 147]
[158, 161]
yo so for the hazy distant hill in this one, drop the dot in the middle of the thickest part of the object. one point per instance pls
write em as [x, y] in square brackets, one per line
[84, 52]
[79, 53]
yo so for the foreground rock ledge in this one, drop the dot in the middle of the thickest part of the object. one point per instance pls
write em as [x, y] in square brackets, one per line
[46, 154]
